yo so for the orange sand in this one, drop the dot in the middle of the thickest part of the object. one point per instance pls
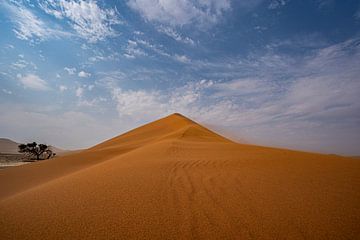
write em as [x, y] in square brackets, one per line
[174, 179]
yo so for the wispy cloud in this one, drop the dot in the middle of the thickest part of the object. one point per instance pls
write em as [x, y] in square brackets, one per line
[274, 4]
[153, 47]
[33, 81]
[84, 74]
[63, 88]
[325, 3]
[133, 50]
[84, 100]
[30, 27]
[70, 70]
[179, 13]
[6, 91]
[79, 92]
[22, 63]
[357, 14]
[19, 64]
[87, 18]
[175, 35]
[242, 87]
[182, 58]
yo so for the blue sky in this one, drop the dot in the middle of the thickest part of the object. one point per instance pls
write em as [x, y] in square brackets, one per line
[273, 72]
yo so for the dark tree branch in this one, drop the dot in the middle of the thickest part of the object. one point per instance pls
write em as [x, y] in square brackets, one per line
[36, 150]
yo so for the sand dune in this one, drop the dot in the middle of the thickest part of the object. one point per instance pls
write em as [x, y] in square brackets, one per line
[174, 179]
[8, 146]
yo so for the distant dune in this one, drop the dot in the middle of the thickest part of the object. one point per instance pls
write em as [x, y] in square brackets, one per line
[174, 179]
[8, 146]
[61, 152]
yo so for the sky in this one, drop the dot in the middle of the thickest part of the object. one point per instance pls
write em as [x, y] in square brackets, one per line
[282, 73]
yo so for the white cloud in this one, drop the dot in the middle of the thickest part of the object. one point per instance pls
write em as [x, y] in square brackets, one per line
[357, 14]
[82, 101]
[325, 3]
[155, 48]
[22, 63]
[134, 103]
[50, 7]
[94, 102]
[84, 74]
[87, 18]
[62, 88]
[242, 87]
[9, 46]
[175, 35]
[79, 92]
[7, 91]
[33, 81]
[102, 56]
[96, 58]
[182, 58]
[320, 96]
[70, 71]
[274, 4]
[179, 13]
[133, 50]
[19, 64]
[189, 95]
[300, 41]
[87, 103]
[144, 105]
[30, 27]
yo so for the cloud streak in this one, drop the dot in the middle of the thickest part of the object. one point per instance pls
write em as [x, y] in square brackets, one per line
[30, 27]
[87, 18]
[180, 13]
[170, 32]
[33, 82]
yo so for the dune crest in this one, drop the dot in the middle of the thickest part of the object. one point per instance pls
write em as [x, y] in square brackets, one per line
[175, 179]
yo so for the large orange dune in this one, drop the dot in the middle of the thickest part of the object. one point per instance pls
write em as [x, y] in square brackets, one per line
[174, 179]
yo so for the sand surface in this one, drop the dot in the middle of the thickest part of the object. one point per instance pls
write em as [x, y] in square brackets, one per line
[174, 179]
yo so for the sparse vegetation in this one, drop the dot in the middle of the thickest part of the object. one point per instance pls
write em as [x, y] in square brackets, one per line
[36, 151]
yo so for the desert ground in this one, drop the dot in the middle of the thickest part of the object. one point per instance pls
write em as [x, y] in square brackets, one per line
[174, 179]
[10, 160]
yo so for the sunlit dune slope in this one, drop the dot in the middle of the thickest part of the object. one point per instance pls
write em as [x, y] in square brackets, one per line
[173, 126]
[174, 179]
